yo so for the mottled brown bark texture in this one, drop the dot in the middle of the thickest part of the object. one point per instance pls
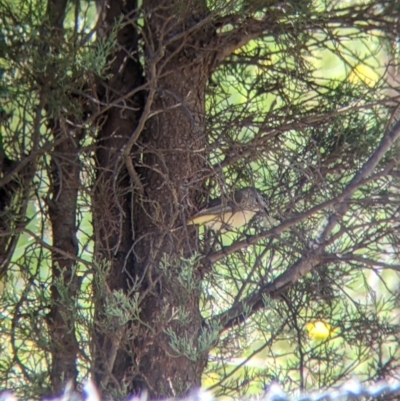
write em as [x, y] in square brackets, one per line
[8, 193]
[113, 194]
[62, 205]
[137, 212]
[62, 213]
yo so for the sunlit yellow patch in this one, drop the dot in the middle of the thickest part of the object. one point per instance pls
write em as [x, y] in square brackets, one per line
[319, 330]
[364, 73]
[210, 379]
[264, 65]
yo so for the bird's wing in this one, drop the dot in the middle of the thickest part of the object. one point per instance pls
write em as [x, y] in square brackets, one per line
[210, 213]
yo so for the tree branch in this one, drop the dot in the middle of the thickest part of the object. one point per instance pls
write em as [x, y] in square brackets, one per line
[280, 21]
[315, 253]
[238, 245]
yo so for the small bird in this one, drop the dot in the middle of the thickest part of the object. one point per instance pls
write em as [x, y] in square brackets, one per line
[234, 213]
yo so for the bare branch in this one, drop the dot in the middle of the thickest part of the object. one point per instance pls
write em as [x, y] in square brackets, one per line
[314, 254]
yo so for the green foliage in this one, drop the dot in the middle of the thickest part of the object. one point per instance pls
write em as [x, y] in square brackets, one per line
[296, 112]
[119, 308]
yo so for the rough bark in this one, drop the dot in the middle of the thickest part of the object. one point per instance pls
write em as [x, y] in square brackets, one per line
[8, 194]
[168, 157]
[62, 212]
[173, 169]
[113, 194]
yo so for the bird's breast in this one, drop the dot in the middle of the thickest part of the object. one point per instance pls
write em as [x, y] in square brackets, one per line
[230, 220]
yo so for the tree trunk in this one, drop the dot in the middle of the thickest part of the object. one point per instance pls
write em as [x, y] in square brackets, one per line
[112, 200]
[62, 206]
[142, 234]
[62, 212]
